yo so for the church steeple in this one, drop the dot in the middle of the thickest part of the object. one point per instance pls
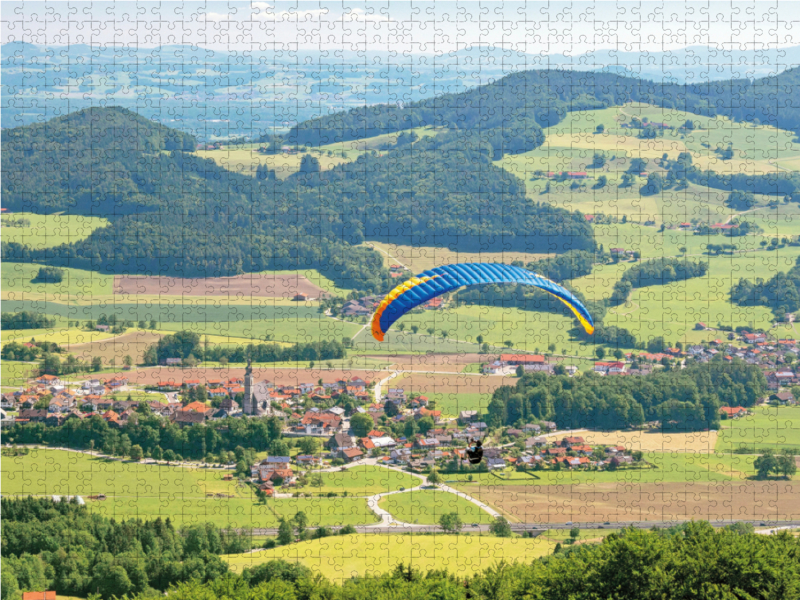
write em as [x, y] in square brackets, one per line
[248, 408]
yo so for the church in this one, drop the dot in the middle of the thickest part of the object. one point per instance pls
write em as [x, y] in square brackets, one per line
[256, 396]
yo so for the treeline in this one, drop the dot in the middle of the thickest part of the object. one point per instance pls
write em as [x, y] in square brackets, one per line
[684, 399]
[659, 271]
[18, 351]
[62, 546]
[177, 214]
[154, 436]
[186, 345]
[685, 562]
[26, 320]
[780, 292]
[570, 265]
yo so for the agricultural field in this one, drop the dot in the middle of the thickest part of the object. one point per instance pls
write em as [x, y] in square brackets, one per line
[767, 427]
[49, 231]
[342, 557]
[364, 480]
[426, 506]
[136, 490]
[701, 442]
[421, 258]
[245, 160]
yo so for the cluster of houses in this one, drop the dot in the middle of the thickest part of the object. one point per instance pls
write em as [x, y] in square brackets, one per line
[570, 452]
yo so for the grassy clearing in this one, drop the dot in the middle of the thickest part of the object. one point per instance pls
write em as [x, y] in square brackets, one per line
[343, 557]
[147, 491]
[49, 231]
[78, 285]
[422, 258]
[363, 481]
[768, 427]
[16, 374]
[427, 506]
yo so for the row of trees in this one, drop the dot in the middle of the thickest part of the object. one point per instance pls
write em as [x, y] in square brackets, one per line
[153, 434]
[685, 399]
[25, 320]
[186, 345]
[781, 292]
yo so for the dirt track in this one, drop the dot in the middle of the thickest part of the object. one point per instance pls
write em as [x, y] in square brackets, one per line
[768, 500]
[262, 285]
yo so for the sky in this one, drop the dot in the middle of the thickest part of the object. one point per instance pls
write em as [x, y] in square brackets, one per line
[569, 28]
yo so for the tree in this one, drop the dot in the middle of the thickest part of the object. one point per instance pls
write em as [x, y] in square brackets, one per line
[508, 343]
[500, 527]
[361, 424]
[97, 364]
[278, 448]
[128, 360]
[451, 522]
[600, 128]
[156, 453]
[300, 522]
[410, 427]
[136, 452]
[425, 424]
[575, 533]
[766, 464]
[434, 476]
[415, 328]
[479, 339]
[309, 445]
[285, 534]
[316, 480]
[786, 464]
[600, 352]
[390, 408]
[309, 164]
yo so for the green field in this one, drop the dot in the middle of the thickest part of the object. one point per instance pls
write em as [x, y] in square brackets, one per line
[147, 491]
[668, 467]
[49, 231]
[343, 557]
[16, 374]
[364, 480]
[425, 507]
[768, 427]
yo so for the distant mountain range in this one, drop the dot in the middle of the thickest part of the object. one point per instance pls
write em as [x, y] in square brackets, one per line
[215, 94]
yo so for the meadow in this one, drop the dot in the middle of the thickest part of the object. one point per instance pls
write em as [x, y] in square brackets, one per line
[343, 557]
[136, 490]
[366, 480]
[49, 231]
[767, 427]
[426, 507]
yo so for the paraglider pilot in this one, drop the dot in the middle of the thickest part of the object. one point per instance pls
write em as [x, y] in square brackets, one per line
[475, 452]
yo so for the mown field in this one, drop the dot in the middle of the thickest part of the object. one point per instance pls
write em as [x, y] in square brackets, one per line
[426, 507]
[364, 480]
[343, 557]
[49, 231]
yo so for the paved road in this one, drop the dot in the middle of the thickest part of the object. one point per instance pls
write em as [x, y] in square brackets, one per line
[541, 527]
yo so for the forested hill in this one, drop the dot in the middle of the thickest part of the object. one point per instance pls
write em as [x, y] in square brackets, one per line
[510, 112]
[173, 213]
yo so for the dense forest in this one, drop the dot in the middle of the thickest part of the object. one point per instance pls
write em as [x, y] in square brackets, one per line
[62, 546]
[685, 399]
[781, 292]
[543, 97]
[173, 213]
[684, 562]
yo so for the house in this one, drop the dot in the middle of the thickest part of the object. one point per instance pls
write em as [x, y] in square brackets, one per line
[515, 433]
[436, 415]
[495, 463]
[467, 416]
[754, 338]
[700, 326]
[49, 380]
[529, 362]
[352, 454]
[5, 420]
[401, 455]
[105, 328]
[609, 368]
[38, 595]
[173, 362]
[32, 415]
[184, 418]
[353, 308]
[535, 442]
[308, 460]
[571, 441]
[733, 412]
[396, 395]
[549, 425]
[339, 442]
[321, 423]
[783, 398]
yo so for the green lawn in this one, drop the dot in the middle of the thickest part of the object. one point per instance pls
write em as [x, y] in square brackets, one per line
[768, 427]
[15, 374]
[364, 480]
[343, 557]
[147, 491]
[427, 506]
[48, 231]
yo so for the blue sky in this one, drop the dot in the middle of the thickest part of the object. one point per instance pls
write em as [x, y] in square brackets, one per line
[409, 27]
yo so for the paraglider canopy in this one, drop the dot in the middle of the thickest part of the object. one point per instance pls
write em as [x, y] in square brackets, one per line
[448, 278]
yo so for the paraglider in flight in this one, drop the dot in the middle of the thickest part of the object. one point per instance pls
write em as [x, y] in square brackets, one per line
[441, 280]
[475, 452]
